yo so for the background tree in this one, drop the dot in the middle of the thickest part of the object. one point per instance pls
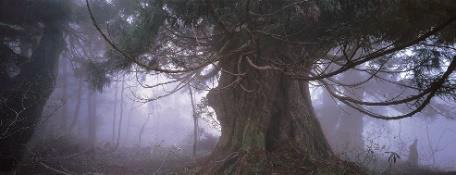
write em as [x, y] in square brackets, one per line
[195, 122]
[413, 154]
[264, 54]
[342, 125]
[32, 42]
[92, 118]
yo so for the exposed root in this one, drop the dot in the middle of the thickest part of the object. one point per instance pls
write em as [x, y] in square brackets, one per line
[277, 162]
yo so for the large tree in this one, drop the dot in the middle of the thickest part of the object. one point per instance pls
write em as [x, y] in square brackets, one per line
[265, 54]
[31, 42]
[33, 35]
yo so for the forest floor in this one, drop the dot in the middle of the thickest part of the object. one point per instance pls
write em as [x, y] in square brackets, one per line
[63, 157]
[72, 159]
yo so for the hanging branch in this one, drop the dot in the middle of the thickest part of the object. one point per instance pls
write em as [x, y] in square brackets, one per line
[432, 90]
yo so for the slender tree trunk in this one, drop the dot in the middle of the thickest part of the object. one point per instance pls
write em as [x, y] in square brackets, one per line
[266, 120]
[92, 119]
[195, 122]
[143, 128]
[119, 128]
[64, 111]
[114, 115]
[412, 160]
[77, 108]
[128, 116]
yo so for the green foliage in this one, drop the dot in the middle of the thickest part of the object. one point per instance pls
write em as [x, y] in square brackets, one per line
[95, 74]
[141, 34]
[181, 34]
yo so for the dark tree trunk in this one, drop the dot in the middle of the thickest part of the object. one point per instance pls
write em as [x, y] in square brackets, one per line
[266, 120]
[24, 96]
[64, 110]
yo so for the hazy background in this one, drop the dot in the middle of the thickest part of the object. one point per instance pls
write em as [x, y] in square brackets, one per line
[168, 122]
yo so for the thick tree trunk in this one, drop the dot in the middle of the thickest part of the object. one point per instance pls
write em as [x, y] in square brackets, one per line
[268, 125]
[24, 97]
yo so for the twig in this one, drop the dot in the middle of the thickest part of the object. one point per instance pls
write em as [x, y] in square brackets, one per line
[53, 169]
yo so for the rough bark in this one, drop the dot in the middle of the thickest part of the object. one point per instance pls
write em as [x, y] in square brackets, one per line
[24, 97]
[268, 125]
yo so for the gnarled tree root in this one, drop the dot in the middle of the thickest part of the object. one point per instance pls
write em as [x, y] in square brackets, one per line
[283, 161]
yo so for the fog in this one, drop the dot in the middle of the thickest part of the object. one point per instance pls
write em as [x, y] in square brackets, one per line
[190, 87]
[168, 122]
[434, 135]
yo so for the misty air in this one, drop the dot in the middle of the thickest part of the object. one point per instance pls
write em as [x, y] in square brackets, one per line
[234, 87]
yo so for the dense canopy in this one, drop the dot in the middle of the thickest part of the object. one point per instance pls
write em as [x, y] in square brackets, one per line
[408, 44]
